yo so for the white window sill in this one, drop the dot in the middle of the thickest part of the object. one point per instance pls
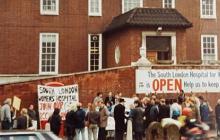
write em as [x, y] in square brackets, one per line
[95, 15]
[50, 13]
[208, 17]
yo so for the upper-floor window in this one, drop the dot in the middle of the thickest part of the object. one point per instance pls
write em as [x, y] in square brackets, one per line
[168, 3]
[131, 4]
[48, 63]
[208, 8]
[95, 7]
[209, 48]
[49, 7]
[95, 52]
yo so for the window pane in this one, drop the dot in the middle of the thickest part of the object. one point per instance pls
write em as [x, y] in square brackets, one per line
[48, 53]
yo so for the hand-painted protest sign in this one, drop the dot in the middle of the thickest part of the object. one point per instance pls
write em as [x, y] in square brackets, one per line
[56, 97]
[16, 103]
[172, 81]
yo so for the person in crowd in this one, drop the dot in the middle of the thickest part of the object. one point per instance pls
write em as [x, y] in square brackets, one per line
[109, 106]
[195, 110]
[148, 106]
[145, 102]
[70, 122]
[113, 107]
[188, 123]
[24, 121]
[13, 116]
[80, 124]
[164, 110]
[110, 99]
[98, 98]
[135, 97]
[55, 121]
[175, 110]
[181, 97]
[103, 121]
[154, 111]
[217, 115]
[0, 117]
[93, 119]
[204, 110]
[137, 116]
[6, 115]
[33, 115]
[119, 116]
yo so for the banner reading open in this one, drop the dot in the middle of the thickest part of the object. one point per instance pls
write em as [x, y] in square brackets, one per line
[172, 81]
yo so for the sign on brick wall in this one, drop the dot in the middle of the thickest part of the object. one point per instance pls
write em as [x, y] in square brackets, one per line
[56, 97]
[172, 81]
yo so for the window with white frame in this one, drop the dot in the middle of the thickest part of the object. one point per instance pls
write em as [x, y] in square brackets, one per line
[49, 7]
[208, 8]
[168, 3]
[95, 52]
[209, 48]
[131, 4]
[95, 7]
[49, 53]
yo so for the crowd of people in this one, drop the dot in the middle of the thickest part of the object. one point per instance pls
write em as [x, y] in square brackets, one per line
[27, 119]
[141, 113]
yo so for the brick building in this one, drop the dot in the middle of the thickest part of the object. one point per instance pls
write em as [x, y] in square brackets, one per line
[51, 37]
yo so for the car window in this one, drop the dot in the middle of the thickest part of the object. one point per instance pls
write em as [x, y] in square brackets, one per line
[19, 137]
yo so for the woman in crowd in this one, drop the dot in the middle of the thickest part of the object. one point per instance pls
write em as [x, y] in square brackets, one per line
[55, 121]
[24, 121]
[137, 115]
[217, 114]
[93, 119]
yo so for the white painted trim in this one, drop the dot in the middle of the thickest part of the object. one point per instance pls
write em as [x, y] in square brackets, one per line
[173, 41]
[89, 50]
[92, 13]
[43, 12]
[123, 6]
[173, 4]
[208, 16]
[100, 51]
[56, 58]
[216, 45]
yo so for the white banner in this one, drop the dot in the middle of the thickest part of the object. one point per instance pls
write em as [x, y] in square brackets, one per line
[56, 97]
[172, 81]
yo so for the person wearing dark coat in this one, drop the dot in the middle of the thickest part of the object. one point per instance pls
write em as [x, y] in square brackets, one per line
[70, 123]
[110, 99]
[80, 124]
[154, 111]
[147, 114]
[217, 114]
[137, 116]
[24, 121]
[55, 121]
[119, 116]
[164, 110]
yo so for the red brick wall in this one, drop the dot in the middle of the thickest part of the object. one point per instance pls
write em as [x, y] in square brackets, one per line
[117, 80]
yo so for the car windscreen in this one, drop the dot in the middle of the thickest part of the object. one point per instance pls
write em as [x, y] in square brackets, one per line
[19, 137]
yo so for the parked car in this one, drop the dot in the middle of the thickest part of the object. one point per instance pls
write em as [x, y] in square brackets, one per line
[28, 135]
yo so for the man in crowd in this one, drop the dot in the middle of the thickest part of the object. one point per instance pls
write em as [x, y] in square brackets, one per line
[32, 114]
[6, 115]
[119, 116]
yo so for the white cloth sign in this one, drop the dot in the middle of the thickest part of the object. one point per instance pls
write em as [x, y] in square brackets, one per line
[56, 97]
[172, 81]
